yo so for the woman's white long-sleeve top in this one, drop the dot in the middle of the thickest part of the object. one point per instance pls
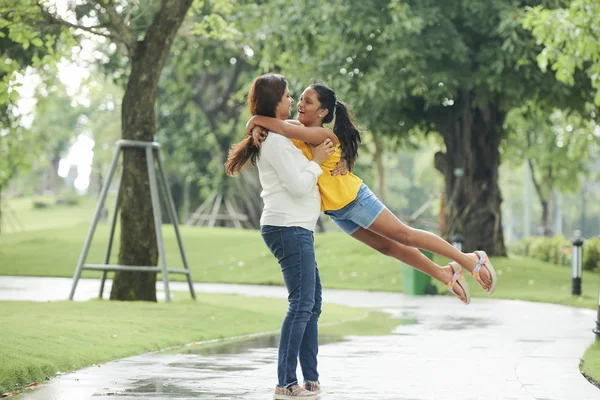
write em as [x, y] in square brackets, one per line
[289, 182]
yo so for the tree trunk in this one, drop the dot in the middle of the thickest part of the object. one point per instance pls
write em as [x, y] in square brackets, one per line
[546, 231]
[544, 195]
[547, 213]
[138, 237]
[55, 179]
[583, 212]
[378, 160]
[472, 135]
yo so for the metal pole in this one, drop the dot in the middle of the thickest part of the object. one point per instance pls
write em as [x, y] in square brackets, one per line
[157, 219]
[457, 241]
[110, 238]
[597, 329]
[576, 264]
[173, 216]
[90, 235]
[215, 211]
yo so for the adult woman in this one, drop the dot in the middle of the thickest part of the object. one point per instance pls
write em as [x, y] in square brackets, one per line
[291, 209]
[356, 210]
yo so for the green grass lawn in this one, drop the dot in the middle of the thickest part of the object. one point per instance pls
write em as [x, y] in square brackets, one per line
[40, 339]
[240, 256]
[54, 216]
[590, 366]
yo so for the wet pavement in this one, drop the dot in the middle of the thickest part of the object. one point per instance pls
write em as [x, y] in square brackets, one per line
[491, 349]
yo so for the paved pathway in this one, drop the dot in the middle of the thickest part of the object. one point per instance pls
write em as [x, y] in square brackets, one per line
[492, 349]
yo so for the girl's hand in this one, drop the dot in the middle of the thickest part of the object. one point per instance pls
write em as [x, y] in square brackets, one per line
[322, 152]
[250, 126]
[259, 134]
[340, 168]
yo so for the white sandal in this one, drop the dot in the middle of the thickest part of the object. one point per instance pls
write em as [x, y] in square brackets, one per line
[458, 277]
[484, 261]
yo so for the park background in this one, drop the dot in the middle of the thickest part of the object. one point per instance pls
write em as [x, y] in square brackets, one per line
[477, 119]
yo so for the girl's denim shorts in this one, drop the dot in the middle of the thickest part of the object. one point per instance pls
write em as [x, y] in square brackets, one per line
[359, 213]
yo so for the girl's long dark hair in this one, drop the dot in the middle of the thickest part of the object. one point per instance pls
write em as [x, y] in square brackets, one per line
[343, 127]
[264, 95]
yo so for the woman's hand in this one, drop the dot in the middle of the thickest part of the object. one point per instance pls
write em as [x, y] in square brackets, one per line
[340, 168]
[322, 152]
[259, 134]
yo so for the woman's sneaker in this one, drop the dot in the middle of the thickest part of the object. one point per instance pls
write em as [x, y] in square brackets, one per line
[313, 386]
[293, 392]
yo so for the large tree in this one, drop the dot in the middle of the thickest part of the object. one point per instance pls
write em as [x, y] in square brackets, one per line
[453, 68]
[141, 37]
[146, 47]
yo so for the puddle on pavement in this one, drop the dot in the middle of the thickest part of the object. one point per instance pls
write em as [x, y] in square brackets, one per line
[535, 340]
[461, 323]
[243, 345]
[163, 386]
[375, 324]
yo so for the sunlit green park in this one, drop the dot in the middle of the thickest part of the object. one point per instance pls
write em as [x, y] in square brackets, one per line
[479, 122]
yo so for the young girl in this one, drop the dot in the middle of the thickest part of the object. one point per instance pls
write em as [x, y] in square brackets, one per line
[355, 209]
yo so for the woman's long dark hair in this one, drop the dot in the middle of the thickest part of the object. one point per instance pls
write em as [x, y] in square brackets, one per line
[264, 95]
[343, 127]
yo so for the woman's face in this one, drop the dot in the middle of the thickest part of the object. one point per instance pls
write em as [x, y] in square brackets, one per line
[309, 108]
[284, 107]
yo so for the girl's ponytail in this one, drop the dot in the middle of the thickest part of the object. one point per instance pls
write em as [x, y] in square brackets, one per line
[347, 133]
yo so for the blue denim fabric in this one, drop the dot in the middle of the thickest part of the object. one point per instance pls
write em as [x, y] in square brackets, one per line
[294, 249]
[360, 212]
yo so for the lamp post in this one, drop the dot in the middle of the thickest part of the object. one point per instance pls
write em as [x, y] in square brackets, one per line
[457, 241]
[576, 262]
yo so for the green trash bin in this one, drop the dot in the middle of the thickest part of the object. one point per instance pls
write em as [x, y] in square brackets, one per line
[415, 282]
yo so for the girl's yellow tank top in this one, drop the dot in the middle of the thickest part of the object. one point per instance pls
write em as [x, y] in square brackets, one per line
[336, 191]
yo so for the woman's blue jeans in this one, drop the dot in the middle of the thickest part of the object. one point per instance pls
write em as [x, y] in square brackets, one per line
[294, 248]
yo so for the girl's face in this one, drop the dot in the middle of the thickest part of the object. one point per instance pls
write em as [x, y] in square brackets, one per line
[284, 107]
[309, 108]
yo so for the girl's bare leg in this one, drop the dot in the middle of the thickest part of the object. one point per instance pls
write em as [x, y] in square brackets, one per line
[389, 226]
[408, 255]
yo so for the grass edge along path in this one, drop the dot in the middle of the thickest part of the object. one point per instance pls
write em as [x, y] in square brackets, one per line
[42, 340]
[590, 364]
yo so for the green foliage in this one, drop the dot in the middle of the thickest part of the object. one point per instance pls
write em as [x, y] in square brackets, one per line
[571, 39]
[26, 42]
[560, 145]
[401, 63]
[558, 250]
[591, 254]
[15, 146]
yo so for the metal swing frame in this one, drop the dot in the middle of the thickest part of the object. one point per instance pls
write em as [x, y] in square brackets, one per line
[150, 148]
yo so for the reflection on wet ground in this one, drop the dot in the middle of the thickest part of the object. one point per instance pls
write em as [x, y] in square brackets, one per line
[456, 324]
[243, 345]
